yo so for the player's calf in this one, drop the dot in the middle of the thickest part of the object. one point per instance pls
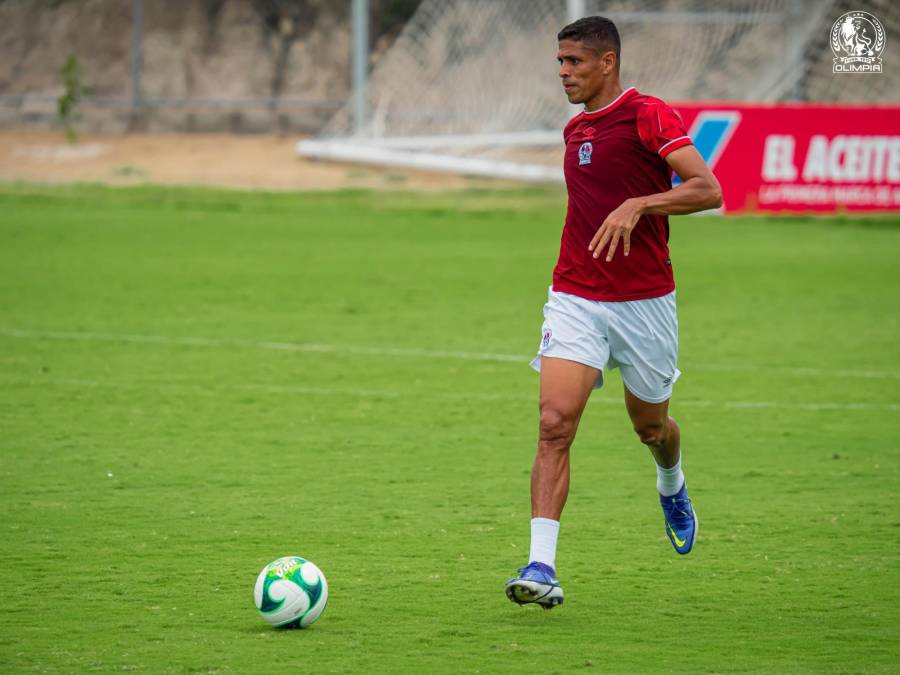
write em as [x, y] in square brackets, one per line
[656, 434]
[663, 437]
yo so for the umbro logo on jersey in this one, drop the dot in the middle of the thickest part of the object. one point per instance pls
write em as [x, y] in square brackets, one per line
[585, 152]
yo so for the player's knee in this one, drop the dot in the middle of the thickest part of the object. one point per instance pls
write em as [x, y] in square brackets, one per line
[556, 429]
[652, 434]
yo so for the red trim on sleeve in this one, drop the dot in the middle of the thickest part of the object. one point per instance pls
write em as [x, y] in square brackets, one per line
[671, 146]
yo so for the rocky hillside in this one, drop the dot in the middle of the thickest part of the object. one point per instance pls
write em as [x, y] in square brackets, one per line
[234, 65]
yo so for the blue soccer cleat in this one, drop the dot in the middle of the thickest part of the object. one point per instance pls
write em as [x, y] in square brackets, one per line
[681, 521]
[536, 584]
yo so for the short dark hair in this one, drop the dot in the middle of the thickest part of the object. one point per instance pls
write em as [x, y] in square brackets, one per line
[597, 32]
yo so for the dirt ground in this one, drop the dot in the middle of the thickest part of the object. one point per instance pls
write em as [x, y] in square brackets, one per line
[250, 162]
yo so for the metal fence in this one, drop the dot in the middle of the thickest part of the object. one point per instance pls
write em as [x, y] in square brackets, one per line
[291, 65]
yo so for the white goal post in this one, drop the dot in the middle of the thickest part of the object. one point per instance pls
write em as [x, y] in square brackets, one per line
[472, 86]
[418, 155]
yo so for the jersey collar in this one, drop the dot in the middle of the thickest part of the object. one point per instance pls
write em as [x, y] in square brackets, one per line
[612, 104]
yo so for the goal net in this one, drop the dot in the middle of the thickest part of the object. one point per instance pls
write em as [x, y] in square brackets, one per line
[472, 86]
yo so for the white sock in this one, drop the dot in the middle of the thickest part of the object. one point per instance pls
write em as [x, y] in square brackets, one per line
[669, 481]
[543, 541]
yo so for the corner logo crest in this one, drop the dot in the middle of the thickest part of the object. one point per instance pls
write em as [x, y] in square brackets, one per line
[585, 152]
[857, 41]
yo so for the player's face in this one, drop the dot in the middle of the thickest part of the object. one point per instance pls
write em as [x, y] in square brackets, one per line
[583, 70]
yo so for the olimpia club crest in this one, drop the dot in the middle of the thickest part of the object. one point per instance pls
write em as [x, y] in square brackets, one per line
[857, 40]
[585, 152]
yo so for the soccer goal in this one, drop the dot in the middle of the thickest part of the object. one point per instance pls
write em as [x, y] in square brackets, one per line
[471, 86]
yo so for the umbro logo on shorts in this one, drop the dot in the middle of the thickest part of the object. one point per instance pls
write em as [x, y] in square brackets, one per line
[668, 380]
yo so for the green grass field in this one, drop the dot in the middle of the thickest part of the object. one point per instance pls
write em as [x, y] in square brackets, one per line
[193, 383]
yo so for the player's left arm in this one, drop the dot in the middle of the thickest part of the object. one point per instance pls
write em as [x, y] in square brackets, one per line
[698, 191]
[661, 131]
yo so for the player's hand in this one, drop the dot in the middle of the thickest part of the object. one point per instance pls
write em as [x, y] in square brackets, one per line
[617, 226]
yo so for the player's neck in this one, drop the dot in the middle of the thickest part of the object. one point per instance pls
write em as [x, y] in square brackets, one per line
[609, 93]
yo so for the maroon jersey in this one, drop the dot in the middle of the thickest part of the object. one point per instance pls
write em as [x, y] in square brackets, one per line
[612, 154]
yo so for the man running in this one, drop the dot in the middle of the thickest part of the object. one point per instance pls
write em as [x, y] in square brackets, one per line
[612, 302]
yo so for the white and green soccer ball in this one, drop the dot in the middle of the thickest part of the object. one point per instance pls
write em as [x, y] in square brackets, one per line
[290, 592]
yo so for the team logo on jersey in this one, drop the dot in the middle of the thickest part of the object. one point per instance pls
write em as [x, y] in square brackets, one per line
[585, 152]
[546, 339]
[857, 41]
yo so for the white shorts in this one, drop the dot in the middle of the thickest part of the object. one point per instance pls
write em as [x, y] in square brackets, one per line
[639, 337]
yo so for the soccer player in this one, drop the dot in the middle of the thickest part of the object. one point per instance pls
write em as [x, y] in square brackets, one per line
[612, 302]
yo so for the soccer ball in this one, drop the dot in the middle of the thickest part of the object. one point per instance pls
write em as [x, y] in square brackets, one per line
[290, 592]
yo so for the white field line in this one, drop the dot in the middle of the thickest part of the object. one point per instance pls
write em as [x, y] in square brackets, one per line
[253, 344]
[399, 393]
[799, 371]
[404, 352]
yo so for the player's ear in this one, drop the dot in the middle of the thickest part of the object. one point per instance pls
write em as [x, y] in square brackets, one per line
[610, 62]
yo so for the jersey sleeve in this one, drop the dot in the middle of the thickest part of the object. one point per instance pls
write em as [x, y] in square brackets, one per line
[660, 128]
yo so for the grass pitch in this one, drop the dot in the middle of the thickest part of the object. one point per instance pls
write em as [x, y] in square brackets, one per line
[193, 383]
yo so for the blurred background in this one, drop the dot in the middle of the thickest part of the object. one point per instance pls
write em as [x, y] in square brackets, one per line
[285, 65]
[468, 87]
[200, 65]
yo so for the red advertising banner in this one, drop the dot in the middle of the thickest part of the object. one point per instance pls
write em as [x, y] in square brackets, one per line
[799, 157]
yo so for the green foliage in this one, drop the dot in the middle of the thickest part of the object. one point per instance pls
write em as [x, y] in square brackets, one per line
[73, 92]
[145, 481]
